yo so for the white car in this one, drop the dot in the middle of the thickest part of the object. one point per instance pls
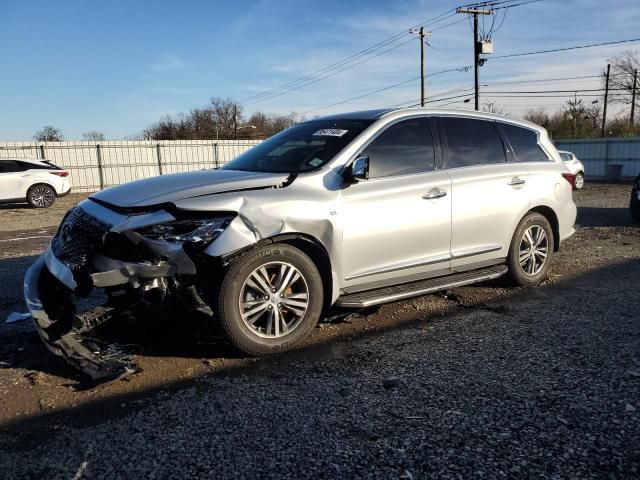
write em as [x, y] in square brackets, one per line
[38, 182]
[575, 167]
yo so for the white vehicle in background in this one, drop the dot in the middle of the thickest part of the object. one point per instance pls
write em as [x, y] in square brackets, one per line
[38, 182]
[575, 166]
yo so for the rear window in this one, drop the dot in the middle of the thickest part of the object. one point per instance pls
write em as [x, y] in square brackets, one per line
[524, 143]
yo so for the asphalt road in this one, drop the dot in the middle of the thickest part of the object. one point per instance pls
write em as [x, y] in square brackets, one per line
[486, 381]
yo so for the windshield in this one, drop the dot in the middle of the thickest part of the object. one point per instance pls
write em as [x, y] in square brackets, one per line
[565, 156]
[301, 148]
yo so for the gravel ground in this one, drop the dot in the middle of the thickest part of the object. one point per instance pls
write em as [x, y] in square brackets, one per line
[484, 381]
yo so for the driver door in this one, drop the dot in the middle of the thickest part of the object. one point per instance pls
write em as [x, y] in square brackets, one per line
[397, 223]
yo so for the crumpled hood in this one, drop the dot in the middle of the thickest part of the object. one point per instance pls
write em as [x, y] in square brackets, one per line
[178, 186]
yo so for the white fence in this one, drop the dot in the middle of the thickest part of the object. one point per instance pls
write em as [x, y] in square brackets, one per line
[97, 165]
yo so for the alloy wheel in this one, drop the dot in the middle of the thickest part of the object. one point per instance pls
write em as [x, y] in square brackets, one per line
[274, 299]
[579, 181]
[534, 250]
[41, 196]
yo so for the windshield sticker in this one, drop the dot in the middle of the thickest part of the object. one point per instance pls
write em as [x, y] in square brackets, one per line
[330, 132]
[314, 162]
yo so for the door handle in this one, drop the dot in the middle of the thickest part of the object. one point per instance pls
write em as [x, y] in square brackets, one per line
[434, 193]
[516, 181]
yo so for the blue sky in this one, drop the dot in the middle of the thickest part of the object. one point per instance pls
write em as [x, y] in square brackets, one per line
[118, 66]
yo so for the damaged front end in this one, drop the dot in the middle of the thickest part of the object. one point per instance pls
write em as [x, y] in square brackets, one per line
[104, 264]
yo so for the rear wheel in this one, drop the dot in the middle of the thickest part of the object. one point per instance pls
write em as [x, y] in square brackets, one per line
[270, 299]
[41, 196]
[579, 181]
[531, 250]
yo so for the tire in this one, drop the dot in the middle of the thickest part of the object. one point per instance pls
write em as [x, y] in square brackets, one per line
[578, 183]
[41, 196]
[526, 273]
[282, 317]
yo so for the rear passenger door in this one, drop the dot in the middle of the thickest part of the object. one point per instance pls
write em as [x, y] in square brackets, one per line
[488, 192]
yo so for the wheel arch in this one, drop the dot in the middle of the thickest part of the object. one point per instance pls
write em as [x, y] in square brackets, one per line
[41, 182]
[552, 218]
[311, 247]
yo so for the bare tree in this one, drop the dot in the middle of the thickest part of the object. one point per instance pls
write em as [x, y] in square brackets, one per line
[93, 136]
[48, 134]
[623, 67]
[221, 119]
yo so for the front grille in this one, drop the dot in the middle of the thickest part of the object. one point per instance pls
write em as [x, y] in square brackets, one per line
[77, 237]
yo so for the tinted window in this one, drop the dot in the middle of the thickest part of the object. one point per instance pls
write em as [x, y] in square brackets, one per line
[525, 144]
[403, 148]
[39, 166]
[9, 166]
[301, 148]
[472, 142]
[565, 156]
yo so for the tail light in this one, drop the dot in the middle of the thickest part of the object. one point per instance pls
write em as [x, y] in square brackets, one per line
[571, 178]
[60, 174]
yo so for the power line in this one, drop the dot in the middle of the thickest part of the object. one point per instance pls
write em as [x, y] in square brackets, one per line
[345, 61]
[441, 72]
[362, 96]
[573, 90]
[328, 74]
[616, 42]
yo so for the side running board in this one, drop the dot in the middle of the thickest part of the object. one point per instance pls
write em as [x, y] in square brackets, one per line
[421, 287]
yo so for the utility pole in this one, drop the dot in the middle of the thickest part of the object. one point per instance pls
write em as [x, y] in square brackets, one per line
[476, 46]
[423, 89]
[633, 95]
[235, 122]
[606, 99]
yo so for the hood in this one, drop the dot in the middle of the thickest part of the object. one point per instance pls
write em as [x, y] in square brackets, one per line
[179, 186]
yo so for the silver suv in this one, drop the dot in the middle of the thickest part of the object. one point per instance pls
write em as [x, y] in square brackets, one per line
[351, 210]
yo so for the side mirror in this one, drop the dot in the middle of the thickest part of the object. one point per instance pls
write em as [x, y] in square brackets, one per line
[358, 170]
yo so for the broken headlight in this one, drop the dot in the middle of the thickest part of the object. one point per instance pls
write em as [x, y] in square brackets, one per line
[201, 231]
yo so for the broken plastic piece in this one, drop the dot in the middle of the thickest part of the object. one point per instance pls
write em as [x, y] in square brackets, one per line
[17, 317]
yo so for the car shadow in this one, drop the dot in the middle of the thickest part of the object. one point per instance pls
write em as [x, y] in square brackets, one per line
[604, 217]
[14, 206]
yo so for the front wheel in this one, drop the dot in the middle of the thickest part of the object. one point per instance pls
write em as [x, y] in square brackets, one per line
[578, 183]
[270, 299]
[531, 250]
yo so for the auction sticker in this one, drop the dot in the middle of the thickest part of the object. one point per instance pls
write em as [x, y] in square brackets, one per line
[330, 132]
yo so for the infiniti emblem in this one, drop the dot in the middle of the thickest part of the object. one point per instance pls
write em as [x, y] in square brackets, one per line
[65, 233]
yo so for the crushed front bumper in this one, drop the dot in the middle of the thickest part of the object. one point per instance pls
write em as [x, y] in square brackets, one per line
[54, 323]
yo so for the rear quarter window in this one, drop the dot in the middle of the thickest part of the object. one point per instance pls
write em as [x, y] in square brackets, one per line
[524, 143]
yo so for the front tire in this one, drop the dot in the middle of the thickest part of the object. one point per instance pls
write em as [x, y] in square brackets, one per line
[270, 299]
[578, 183]
[41, 196]
[531, 250]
